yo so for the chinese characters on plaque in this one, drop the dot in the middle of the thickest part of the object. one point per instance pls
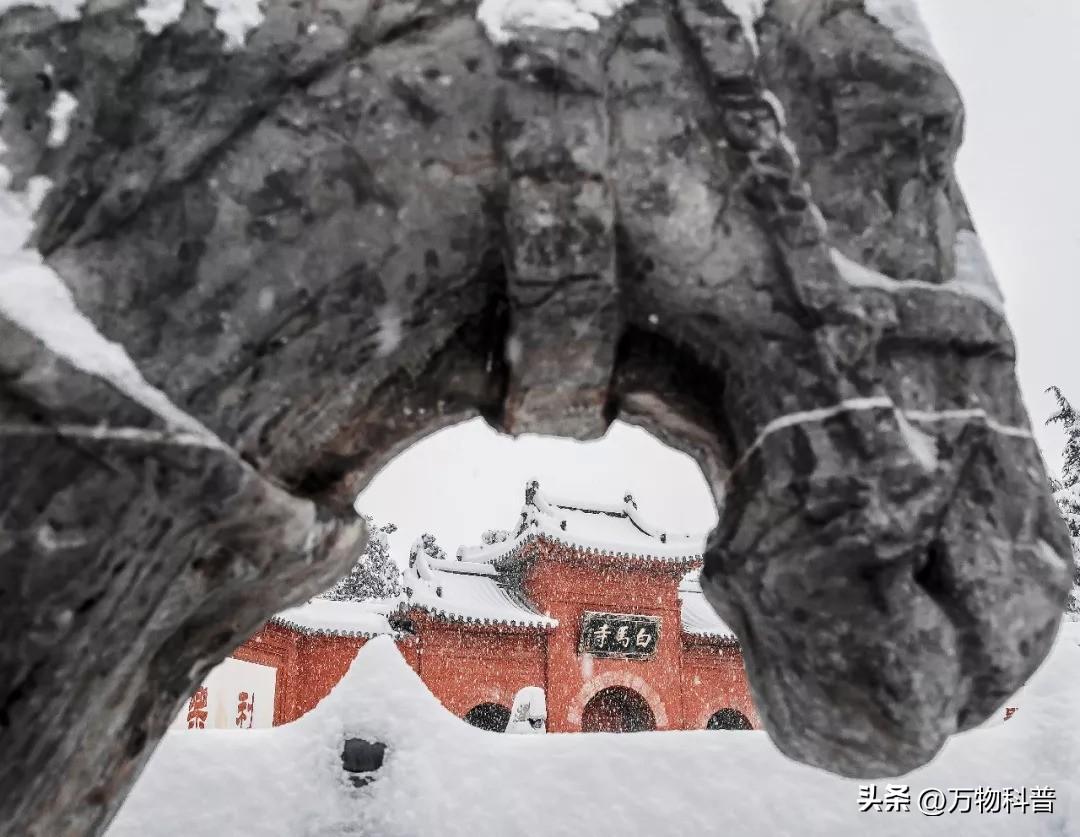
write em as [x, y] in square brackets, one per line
[619, 635]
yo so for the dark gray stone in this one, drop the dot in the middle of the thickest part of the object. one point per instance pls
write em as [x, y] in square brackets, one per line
[338, 239]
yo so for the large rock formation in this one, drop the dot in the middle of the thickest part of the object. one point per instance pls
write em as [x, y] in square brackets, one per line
[372, 219]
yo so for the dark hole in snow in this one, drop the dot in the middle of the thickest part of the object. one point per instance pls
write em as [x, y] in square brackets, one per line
[362, 758]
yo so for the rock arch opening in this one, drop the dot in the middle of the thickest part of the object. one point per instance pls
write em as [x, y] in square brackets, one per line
[266, 315]
[462, 480]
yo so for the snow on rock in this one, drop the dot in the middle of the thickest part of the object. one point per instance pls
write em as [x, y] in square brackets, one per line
[388, 338]
[443, 777]
[235, 18]
[973, 268]
[63, 106]
[36, 299]
[903, 18]
[777, 108]
[157, 14]
[65, 9]
[33, 297]
[973, 275]
[501, 17]
[748, 12]
[923, 447]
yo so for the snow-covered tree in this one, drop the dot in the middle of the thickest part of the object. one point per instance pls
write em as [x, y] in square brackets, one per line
[1067, 489]
[431, 546]
[491, 536]
[376, 575]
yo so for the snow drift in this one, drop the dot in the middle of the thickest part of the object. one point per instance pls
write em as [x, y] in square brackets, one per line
[443, 777]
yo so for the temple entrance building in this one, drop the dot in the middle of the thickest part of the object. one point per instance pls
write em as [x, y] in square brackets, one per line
[594, 604]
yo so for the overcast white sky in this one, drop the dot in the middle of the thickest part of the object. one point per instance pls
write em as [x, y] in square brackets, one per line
[1018, 72]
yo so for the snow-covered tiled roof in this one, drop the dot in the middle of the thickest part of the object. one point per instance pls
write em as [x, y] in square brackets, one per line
[329, 618]
[477, 590]
[466, 591]
[698, 616]
[619, 530]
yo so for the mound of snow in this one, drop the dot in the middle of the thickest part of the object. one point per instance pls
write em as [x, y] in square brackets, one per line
[443, 777]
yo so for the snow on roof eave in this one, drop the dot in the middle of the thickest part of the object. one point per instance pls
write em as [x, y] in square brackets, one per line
[667, 542]
[721, 638]
[644, 523]
[542, 516]
[462, 567]
[309, 630]
[538, 622]
[663, 553]
[492, 553]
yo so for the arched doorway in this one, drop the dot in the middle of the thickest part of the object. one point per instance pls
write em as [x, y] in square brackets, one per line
[729, 718]
[492, 717]
[617, 709]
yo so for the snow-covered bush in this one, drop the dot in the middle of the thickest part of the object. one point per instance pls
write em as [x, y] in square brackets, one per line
[491, 536]
[376, 575]
[431, 546]
[1067, 489]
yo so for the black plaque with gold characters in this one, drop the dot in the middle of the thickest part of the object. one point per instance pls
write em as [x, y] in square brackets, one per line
[619, 635]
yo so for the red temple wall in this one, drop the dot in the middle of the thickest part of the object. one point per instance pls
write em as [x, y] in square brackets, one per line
[685, 682]
[466, 665]
[714, 678]
[565, 584]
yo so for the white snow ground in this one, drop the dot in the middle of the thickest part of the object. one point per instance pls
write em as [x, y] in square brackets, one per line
[442, 777]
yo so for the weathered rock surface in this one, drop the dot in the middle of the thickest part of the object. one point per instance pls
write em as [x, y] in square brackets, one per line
[371, 221]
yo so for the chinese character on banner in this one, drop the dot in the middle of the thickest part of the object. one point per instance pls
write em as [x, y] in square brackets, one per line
[897, 798]
[869, 799]
[1016, 800]
[601, 635]
[245, 709]
[642, 639]
[622, 636]
[1042, 799]
[965, 797]
[989, 800]
[196, 710]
